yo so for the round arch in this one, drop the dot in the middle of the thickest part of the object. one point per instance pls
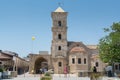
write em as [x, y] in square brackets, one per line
[40, 63]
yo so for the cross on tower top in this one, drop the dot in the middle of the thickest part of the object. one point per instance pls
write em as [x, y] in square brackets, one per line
[59, 9]
[59, 4]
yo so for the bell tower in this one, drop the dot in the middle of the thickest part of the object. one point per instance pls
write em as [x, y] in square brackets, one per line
[59, 40]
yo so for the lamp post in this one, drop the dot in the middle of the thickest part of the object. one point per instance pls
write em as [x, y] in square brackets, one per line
[24, 66]
[33, 38]
[113, 68]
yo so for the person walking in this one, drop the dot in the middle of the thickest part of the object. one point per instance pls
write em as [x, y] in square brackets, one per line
[65, 71]
[40, 73]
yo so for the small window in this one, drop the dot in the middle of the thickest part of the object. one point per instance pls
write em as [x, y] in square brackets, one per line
[96, 64]
[78, 45]
[79, 60]
[59, 36]
[59, 47]
[116, 67]
[84, 60]
[119, 67]
[59, 23]
[60, 64]
[73, 60]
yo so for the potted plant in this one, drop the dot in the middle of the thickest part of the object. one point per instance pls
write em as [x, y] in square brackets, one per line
[95, 76]
[47, 76]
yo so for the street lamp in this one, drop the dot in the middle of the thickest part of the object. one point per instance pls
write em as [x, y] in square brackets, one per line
[33, 38]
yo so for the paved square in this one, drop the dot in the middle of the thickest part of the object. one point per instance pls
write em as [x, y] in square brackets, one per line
[57, 77]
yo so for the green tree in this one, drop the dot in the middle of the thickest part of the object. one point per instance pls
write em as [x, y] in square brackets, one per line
[109, 46]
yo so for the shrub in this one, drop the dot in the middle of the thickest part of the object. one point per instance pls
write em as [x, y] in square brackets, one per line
[46, 78]
[1, 70]
[95, 76]
[47, 74]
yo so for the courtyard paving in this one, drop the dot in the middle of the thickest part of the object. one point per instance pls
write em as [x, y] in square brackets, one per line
[25, 76]
[56, 77]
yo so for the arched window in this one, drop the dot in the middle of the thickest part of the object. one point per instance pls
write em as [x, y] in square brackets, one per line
[79, 60]
[59, 36]
[84, 60]
[59, 47]
[60, 64]
[73, 60]
[59, 23]
[96, 64]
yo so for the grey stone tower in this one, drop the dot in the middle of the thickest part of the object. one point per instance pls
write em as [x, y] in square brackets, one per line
[59, 40]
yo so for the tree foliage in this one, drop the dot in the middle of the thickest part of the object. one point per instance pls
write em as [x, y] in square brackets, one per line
[109, 46]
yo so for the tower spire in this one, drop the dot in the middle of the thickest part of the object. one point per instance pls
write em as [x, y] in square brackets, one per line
[59, 9]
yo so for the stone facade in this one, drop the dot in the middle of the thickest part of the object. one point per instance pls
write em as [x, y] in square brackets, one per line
[59, 41]
[75, 56]
[36, 60]
[12, 62]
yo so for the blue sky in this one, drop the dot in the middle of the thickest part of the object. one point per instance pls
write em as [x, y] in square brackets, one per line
[22, 19]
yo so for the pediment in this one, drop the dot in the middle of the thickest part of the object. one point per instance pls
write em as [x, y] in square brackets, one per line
[77, 46]
[77, 49]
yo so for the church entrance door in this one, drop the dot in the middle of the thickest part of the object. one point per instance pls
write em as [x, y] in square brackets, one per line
[41, 65]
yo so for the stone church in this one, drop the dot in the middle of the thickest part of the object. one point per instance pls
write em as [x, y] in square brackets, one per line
[76, 56]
